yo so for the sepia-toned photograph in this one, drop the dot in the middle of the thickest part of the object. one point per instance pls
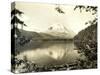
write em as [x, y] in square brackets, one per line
[53, 37]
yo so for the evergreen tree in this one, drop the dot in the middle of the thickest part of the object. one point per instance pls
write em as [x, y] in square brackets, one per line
[15, 21]
[86, 40]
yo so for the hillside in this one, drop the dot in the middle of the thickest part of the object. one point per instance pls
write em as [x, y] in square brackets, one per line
[88, 34]
[86, 42]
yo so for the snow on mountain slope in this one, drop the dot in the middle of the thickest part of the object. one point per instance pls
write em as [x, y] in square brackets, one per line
[60, 31]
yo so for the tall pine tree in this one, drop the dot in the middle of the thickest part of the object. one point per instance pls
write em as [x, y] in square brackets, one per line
[15, 21]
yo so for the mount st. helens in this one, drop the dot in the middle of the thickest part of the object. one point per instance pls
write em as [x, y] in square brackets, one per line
[60, 31]
[56, 31]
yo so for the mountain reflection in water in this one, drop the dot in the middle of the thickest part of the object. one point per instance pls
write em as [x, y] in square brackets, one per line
[52, 52]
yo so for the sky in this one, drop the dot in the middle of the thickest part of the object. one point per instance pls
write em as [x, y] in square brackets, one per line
[40, 16]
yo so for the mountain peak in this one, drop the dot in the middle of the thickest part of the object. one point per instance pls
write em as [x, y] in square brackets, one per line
[61, 31]
[58, 28]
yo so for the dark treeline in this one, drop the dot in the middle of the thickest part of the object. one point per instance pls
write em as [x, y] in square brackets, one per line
[86, 41]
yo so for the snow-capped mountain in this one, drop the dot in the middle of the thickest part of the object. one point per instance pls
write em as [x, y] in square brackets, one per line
[60, 31]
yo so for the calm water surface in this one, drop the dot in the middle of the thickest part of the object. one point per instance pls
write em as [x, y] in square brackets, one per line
[52, 52]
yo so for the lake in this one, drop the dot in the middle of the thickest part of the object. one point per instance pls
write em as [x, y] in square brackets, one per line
[52, 52]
